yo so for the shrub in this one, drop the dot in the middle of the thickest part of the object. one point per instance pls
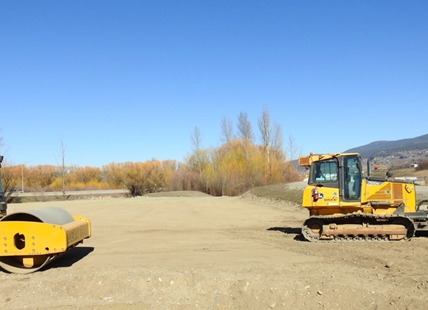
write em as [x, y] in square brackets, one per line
[422, 165]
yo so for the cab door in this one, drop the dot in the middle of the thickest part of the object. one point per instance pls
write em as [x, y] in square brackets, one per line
[350, 180]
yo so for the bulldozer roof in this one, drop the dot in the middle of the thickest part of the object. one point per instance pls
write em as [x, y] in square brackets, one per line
[306, 161]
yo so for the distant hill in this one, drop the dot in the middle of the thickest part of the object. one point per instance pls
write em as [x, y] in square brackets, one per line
[414, 146]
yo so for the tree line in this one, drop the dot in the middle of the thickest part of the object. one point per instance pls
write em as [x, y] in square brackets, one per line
[237, 165]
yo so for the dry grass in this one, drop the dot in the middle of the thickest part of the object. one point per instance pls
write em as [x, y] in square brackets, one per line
[277, 192]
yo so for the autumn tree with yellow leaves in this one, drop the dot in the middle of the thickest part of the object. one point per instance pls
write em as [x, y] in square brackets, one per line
[240, 164]
[141, 177]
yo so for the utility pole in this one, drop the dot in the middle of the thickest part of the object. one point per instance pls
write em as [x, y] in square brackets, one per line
[22, 176]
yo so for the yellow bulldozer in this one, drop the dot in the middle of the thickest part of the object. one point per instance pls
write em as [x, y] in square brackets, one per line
[345, 205]
[34, 238]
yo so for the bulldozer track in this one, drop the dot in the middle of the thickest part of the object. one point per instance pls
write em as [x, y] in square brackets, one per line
[364, 227]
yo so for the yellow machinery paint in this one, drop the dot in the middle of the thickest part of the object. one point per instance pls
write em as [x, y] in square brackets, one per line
[376, 198]
[32, 239]
[29, 240]
[345, 205]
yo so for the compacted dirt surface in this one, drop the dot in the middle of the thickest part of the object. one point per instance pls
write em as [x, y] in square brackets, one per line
[194, 251]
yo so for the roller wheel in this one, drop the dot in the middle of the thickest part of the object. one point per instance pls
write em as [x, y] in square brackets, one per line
[17, 264]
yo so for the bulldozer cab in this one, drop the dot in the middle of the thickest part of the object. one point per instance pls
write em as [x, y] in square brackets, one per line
[342, 171]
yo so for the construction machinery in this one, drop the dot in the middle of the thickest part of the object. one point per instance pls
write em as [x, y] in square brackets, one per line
[29, 240]
[345, 205]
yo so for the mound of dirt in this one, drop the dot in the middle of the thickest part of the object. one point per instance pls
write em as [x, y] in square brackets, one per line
[290, 193]
[178, 194]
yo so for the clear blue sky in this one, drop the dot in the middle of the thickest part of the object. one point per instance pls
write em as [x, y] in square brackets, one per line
[129, 80]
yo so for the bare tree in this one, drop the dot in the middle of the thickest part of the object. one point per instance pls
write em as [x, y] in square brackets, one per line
[226, 130]
[61, 165]
[265, 129]
[7, 178]
[291, 148]
[1, 144]
[277, 143]
[265, 132]
[198, 153]
[196, 139]
[9, 181]
[245, 131]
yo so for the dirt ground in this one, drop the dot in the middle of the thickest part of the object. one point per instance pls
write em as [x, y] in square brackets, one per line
[203, 252]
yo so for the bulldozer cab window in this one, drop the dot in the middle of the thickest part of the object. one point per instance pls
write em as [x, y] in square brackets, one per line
[352, 178]
[325, 172]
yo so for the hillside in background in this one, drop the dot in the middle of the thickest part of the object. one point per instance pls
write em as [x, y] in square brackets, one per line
[397, 153]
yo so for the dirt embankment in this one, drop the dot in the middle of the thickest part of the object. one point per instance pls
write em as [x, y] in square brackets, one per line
[205, 252]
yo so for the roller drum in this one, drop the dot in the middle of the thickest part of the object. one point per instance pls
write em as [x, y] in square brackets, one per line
[48, 215]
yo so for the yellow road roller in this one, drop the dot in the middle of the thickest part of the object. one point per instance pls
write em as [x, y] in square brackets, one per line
[29, 240]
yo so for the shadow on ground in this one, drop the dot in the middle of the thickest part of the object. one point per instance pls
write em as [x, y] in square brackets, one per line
[70, 257]
[297, 231]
